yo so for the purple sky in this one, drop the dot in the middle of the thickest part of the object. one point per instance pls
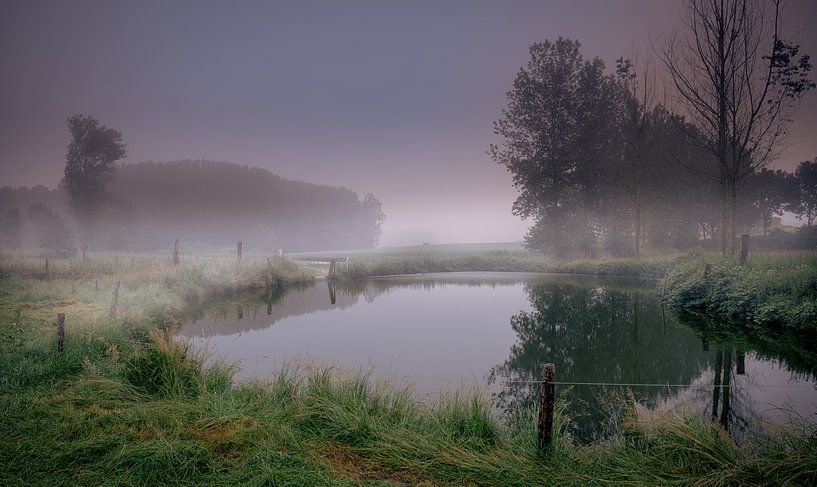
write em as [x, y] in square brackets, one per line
[394, 98]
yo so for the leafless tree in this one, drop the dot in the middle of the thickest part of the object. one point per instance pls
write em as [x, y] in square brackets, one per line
[739, 82]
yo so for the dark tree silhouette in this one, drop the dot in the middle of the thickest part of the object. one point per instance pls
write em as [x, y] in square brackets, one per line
[738, 81]
[90, 164]
[555, 119]
[805, 205]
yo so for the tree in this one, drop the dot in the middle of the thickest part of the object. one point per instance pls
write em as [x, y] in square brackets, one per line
[48, 230]
[739, 81]
[641, 130]
[373, 218]
[90, 164]
[768, 193]
[12, 235]
[805, 205]
[553, 128]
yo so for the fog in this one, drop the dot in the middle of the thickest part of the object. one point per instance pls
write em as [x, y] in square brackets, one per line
[394, 100]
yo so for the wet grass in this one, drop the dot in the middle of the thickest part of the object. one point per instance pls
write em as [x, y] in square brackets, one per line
[499, 261]
[127, 404]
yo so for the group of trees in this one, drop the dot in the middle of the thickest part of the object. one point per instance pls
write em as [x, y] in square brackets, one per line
[208, 205]
[603, 167]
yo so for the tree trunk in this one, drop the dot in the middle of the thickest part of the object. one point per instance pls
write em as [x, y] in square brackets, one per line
[723, 223]
[731, 198]
[637, 247]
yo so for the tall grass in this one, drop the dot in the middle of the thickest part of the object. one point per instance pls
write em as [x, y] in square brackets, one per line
[159, 418]
[361, 268]
[128, 404]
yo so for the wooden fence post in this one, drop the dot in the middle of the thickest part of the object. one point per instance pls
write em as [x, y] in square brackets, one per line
[84, 252]
[176, 252]
[332, 264]
[331, 285]
[47, 274]
[116, 294]
[239, 249]
[280, 253]
[60, 332]
[546, 399]
[269, 274]
[744, 248]
[96, 286]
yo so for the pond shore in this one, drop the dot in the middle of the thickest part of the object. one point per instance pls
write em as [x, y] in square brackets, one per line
[128, 404]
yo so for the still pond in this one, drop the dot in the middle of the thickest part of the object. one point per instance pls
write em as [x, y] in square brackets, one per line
[438, 332]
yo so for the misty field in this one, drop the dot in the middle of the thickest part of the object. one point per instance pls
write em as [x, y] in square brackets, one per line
[129, 403]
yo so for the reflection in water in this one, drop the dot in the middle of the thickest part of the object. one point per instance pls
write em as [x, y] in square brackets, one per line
[500, 328]
[594, 334]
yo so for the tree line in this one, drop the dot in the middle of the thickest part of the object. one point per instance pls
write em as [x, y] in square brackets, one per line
[208, 205]
[604, 167]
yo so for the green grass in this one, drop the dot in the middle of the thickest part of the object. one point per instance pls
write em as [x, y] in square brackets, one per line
[127, 404]
[362, 268]
[769, 292]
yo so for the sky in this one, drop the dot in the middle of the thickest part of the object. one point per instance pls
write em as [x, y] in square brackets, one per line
[393, 98]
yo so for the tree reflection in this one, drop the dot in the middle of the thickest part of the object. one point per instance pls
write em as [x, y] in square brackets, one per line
[594, 334]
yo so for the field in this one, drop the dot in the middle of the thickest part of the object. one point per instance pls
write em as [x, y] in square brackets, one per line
[129, 404]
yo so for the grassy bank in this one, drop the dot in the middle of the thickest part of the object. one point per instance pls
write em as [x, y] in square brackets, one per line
[157, 416]
[770, 293]
[365, 267]
[126, 404]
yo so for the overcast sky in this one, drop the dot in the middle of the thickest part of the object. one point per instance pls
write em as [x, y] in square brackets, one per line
[393, 98]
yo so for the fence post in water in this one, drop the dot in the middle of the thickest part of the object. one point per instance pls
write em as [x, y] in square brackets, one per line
[744, 248]
[331, 285]
[332, 264]
[546, 398]
[60, 332]
[239, 249]
[176, 252]
[116, 294]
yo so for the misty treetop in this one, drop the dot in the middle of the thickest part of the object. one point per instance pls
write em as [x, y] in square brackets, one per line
[206, 204]
[90, 163]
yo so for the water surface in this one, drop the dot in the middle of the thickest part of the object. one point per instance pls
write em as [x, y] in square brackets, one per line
[495, 330]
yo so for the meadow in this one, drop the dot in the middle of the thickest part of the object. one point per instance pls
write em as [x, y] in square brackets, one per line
[128, 403]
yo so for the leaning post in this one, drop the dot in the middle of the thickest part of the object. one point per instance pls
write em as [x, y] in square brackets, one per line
[60, 332]
[546, 398]
[176, 252]
[332, 264]
[239, 249]
[116, 294]
[269, 274]
[744, 248]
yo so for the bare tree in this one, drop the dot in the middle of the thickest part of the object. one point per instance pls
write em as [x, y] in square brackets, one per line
[739, 82]
[641, 131]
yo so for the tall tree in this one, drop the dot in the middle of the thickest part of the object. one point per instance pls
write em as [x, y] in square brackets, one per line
[554, 123]
[805, 205]
[738, 80]
[373, 218]
[641, 126]
[769, 192]
[90, 164]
